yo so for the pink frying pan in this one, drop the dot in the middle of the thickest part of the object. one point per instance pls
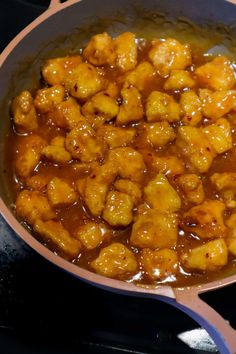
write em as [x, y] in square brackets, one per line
[21, 56]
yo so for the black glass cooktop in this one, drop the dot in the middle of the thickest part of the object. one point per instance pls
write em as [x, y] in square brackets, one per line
[44, 310]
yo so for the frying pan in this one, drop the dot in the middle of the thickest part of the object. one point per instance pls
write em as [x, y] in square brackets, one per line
[49, 34]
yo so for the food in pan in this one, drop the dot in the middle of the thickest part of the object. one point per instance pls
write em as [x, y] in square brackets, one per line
[123, 159]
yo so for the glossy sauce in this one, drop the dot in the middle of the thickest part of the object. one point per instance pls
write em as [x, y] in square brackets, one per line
[75, 215]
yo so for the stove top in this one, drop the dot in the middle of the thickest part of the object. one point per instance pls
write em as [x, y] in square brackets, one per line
[45, 310]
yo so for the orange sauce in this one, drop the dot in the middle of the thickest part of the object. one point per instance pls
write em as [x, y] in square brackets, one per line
[75, 215]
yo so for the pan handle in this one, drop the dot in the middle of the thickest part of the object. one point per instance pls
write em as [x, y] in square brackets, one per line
[218, 328]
